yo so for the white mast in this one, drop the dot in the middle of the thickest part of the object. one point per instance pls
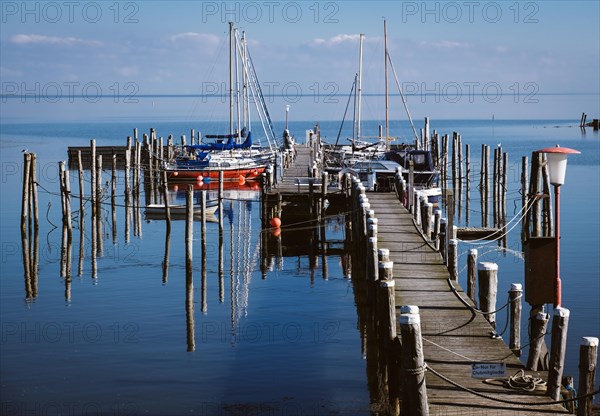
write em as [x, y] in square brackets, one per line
[359, 86]
[245, 98]
[230, 78]
[387, 120]
[237, 87]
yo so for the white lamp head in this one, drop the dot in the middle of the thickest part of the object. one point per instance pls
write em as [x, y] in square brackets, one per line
[557, 162]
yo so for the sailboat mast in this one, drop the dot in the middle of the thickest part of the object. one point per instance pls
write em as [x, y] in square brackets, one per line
[359, 86]
[237, 86]
[244, 83]
[230, 78]
[387, 120]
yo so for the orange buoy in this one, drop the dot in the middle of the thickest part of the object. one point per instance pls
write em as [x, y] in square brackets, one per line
[275, 222]
[175, 173]
[242, 180]
[276, 232]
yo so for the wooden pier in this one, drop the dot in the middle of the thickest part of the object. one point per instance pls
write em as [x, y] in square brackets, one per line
[454, 337]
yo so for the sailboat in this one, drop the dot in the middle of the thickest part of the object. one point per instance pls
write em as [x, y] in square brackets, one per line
[234, 154]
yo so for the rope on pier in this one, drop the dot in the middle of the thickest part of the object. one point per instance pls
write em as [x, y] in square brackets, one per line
[486, 396]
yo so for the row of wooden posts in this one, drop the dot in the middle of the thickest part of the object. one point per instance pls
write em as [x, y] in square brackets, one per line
[453, 160]
[379, 269]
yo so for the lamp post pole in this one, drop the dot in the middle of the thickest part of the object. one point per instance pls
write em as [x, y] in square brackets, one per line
[557, 298]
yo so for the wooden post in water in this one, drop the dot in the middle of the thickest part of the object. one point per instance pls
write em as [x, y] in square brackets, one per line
[67, 190]
[25, 204]
[442, 163]
[61, 181]
[467, 182]
[560, 325]
[189, 231]
[515, 297]
[453, 259]
[588, 357]
[414, 390]
[472, 274]
[487, 274]
[203, 210]
[454, 156]
[495, 188]
[524, 198]
[536, 345]
[99, 239]
[81, 189]
[168, 227]
[93, 183]
[113, 197]
[189, 276]
[485, 189]
[460, 178]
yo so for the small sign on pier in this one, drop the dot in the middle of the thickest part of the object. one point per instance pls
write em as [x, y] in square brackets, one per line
[488, 370]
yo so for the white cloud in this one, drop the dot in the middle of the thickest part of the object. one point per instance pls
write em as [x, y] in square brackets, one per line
[22, 39]
[206, 38]
[501, 49]
[335, 40]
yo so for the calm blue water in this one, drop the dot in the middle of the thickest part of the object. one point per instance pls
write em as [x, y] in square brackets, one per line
[286, 344]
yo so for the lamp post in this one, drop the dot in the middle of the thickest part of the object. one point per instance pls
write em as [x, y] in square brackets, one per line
[557, 168]
[287, 111]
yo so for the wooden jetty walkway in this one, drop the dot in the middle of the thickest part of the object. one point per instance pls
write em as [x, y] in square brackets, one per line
[454, 337]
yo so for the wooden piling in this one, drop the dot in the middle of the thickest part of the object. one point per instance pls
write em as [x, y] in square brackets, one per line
[414, 390]
[387, 296]
[93, 183]
[435, 232]
[442, 240]
[165, 191]
[67, 190]
[588, 356]
[99, 239]
[560, 325]
[113, 197]
[373, 269]
[515, 297]
[472, 274]
[81, 188]
[453, 259]
[539, 323]
[487, 276]
[189, 231]
[524, 197]
[467, 182]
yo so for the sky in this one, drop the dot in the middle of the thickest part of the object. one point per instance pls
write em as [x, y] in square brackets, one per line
[62, 60]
